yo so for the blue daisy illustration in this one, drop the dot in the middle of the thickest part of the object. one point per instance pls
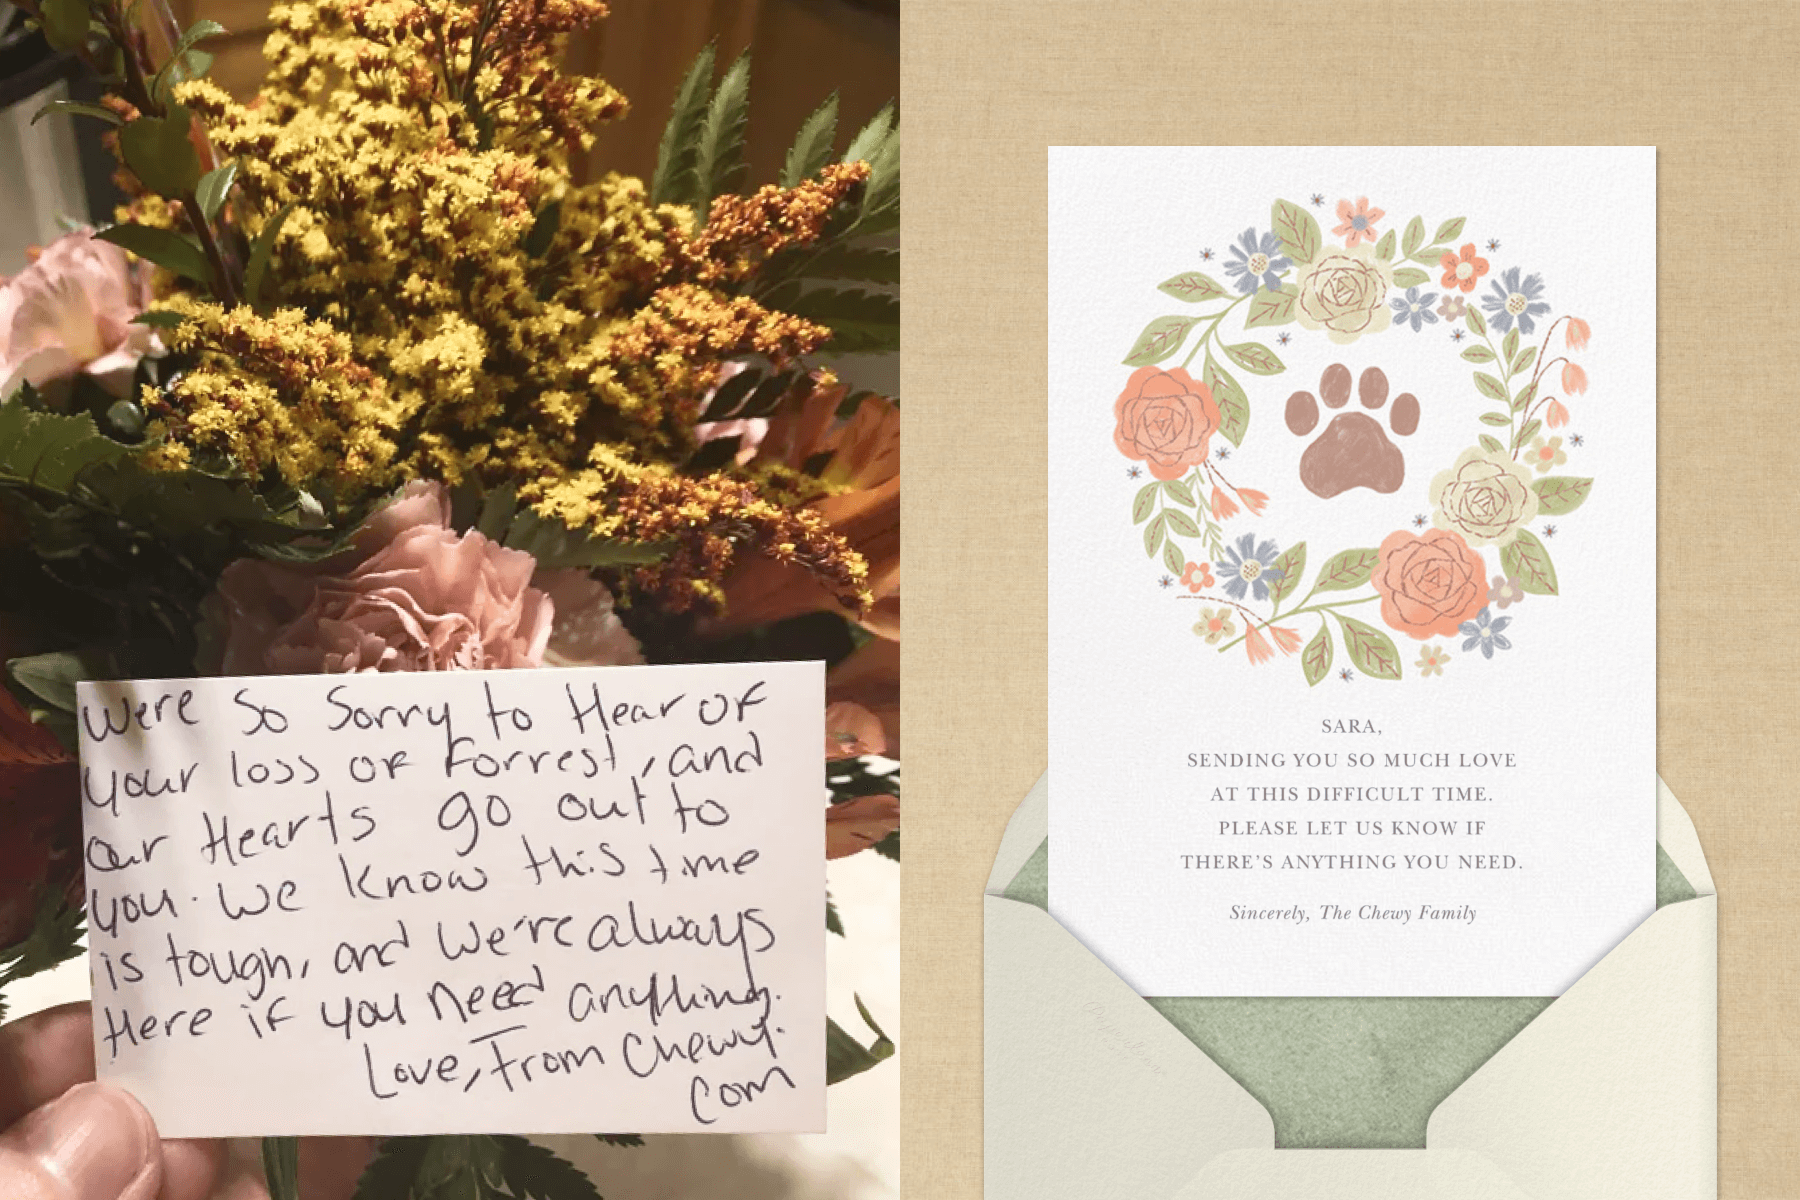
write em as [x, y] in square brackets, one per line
[1249, 567]
[1485, 633]
[1515, 299]
[1256, 262]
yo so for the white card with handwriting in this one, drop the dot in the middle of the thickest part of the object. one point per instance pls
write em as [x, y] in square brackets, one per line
[502, 901]
[1352, 564]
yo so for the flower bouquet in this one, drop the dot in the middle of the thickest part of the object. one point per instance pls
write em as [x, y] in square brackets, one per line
[366, 377]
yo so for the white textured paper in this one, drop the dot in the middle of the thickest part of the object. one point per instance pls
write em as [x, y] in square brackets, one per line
[1419, 817]
[522, 901]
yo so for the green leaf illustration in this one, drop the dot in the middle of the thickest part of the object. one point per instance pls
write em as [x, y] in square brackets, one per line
[1271, 308]
[1193, 287]
[1526, 560]
[1384, 249]
[1234, 405]
[1560, 494]
[1478, 354]
[1173, 558]
[1154, 533]
[1525, 358]
[1495, 419]
[1449, 229]
[1526, 432]
[1410, 277]
[1256, 358]
[1509, 345]
[1477, 325]
[164, 247]
[1291, 565]
[1526, 395]
[1179, 492]
[1492, 444]
[1315, 660]
[1371, 651]
[1415, 237]
[1298, 232]
[1347, 569]
[1145, 503]
[1181, 523]
[1490, 386]
[1160, 339]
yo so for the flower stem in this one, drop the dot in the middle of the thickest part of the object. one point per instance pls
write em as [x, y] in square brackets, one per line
[1317, 608]
[1212, 328]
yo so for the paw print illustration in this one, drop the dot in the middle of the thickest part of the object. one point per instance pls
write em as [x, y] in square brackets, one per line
[1354, 451]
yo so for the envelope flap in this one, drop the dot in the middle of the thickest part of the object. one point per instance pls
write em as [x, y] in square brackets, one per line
[1676, 835]
[1089, 1092]
[1025, 832]
[1351, 1175]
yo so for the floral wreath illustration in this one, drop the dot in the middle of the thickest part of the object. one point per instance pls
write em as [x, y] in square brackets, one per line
[1434, 580]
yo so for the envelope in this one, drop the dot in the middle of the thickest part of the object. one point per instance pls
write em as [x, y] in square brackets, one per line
[1092, 1091]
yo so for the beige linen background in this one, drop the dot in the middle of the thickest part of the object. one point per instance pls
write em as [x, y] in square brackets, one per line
[1716, 87]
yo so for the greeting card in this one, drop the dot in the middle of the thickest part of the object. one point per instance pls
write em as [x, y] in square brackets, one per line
[1352, 565]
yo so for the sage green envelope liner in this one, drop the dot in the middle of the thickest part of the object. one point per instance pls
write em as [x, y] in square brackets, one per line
[1092, 1091]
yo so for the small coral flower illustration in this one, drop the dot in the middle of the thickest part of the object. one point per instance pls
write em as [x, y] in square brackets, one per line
[1505, 591]
[1432, 660]
[1214, 623]
[1357, 224]
[1574, 379]
[1577, 334]
[1556, 415]
[1462, 270]
[1546, 454]
[1197, 576]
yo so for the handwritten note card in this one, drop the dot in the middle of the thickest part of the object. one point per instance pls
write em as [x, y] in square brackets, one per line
[507, 902]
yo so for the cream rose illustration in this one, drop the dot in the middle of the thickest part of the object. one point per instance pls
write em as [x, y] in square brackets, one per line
[1344, 292]
[1485, 496]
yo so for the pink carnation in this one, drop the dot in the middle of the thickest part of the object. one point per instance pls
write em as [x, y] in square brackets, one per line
[70, 312]
[412, 594]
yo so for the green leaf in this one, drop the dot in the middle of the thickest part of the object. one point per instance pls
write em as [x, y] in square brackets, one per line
[860, 322]
[534, 1173]
[390, 1174]
[160, 154]
[542, 234]
[1272, 308]
[1173, 558]
[1193, 287]
[1315, 659]
[1492, 444]
[1145, 503]
[281, 1167]
[55, 938]
[1384, 249]
[77, 109]
[52, 677]
[1298, 232]
[159, 319]
[1561, 494]
[1410, 277]
[51, 450]
[719, 158]
[184, 62]
[811, 150]
[1449, 230]
[1477, 325]
[65, 23]
[1509, 345]
[1526, 395]
[1495, 419]
[1371, 651]
[1180, 493]
[1525, 358]
[855, 264]
[213, 188]
[1478, 354]
[673, 180]
[1234, 405]
[1291, 566]
[1160, 339]
[880, 212]
[1525, 559]
[1255, 358]
[556, 546]
[1347, 569]
[260, 250]
[1414, 238]
[1490, 386]
[1526, 432]
[871, 137]
[167, 249]
[1181, 523]
[1154, 533]
[845, 1056]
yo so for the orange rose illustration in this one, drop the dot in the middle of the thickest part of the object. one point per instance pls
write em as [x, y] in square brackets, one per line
[1429, 585]
[1165, 419]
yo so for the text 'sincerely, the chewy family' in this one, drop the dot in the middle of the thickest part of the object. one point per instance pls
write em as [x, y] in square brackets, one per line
[1352, 565]
[524, 901]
